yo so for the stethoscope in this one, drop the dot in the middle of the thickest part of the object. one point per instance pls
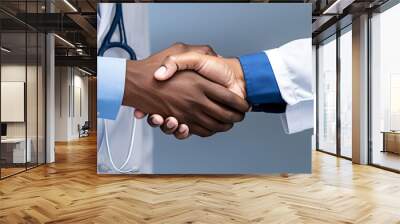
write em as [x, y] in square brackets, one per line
[107, 44]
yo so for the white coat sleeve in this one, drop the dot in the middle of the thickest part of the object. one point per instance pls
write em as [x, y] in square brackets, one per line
[292, 67]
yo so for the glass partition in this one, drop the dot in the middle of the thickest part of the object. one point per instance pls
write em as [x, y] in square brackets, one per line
[31, 100]
[31, 84]
[327, 95]
[14, 144]
[22, 88]
[41, 107]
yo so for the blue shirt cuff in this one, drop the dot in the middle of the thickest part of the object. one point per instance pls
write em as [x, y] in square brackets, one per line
[261, 85]
[110, 86]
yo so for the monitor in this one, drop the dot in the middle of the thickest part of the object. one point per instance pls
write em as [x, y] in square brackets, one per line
[3, 129]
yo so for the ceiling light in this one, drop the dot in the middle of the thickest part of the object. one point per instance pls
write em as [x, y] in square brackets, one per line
[70, 5]
[65, 41]
[84, 71]
[337, 7]
[5, 50]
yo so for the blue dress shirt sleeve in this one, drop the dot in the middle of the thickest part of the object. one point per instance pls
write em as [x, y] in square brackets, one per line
[110, 86]
[261, 86]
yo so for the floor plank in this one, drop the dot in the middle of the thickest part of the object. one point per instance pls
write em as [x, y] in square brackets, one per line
[70, 191]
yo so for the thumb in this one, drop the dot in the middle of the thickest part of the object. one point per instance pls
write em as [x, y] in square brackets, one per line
[178, 62]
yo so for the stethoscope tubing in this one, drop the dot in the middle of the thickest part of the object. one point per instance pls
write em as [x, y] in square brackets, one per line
[130, 153]
[118, 22]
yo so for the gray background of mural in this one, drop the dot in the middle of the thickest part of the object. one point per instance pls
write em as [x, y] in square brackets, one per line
[258, 144]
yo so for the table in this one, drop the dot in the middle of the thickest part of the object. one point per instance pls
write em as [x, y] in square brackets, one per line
[391, 141]
[19, 155]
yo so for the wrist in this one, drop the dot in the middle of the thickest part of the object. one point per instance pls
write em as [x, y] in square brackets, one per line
[238, 74]
[133, 72]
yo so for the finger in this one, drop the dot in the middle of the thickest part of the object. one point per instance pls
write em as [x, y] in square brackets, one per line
[226, 97]
[139, 114]
[200, 131]
[210, 123]
[223, 113]
[211, 67]
[189, 60]
[180, 47]
[170, 125]
[202, 49]
[182, 132]
[155, 120]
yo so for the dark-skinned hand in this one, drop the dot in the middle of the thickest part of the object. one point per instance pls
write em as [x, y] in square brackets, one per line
[206, 107]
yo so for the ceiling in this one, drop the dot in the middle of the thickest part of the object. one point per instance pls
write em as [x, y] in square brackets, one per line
[74, 22]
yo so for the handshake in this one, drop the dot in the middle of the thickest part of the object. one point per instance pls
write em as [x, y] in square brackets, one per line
[187, 89]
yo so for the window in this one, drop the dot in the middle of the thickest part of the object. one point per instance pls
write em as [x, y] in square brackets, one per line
[385, 89]
[327, 95]
[335, 74]
[345, 92]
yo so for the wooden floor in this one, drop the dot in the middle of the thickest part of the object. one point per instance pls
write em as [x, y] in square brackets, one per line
[70, 191]
[5, 172]
[387, 159]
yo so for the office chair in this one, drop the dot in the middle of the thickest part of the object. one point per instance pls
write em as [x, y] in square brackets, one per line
[84, 130]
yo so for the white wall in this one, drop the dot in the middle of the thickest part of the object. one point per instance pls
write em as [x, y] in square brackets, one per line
[61, 103]
[79, 103]
[17, 72]
[33, 126]
[14, 73]
[70, 83]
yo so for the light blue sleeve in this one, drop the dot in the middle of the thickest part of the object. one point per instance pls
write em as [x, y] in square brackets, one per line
[110, 86]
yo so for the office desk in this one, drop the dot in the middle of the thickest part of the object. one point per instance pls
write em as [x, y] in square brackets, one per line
[15, 148]
[391, 141]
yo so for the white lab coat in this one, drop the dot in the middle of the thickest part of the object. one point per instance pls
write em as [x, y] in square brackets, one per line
[119, 130]
[292, 67]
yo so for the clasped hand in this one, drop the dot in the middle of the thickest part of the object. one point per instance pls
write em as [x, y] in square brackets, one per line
[187, 89]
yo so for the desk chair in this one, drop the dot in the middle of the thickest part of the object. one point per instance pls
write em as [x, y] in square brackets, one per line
[84, 130]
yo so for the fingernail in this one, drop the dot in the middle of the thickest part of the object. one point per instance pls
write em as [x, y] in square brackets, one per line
[154, 120]
[182, 129]
[170, 124]
[160, 71]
